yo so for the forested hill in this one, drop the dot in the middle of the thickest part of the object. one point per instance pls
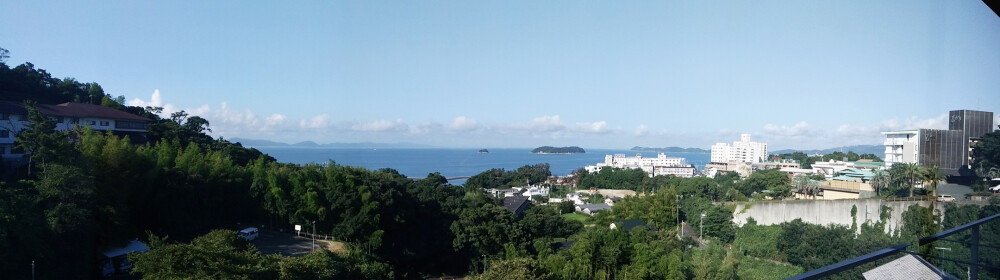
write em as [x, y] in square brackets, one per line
[859, 149]
[558, 150]
[26, 82]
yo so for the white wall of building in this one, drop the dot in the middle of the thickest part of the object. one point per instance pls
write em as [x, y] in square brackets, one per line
[744, 150]
[901, 147]
[659, 165]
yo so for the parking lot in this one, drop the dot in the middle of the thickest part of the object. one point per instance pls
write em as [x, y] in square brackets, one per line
[270, 242]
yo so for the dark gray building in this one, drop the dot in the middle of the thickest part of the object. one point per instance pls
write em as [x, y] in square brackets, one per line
[951, 149]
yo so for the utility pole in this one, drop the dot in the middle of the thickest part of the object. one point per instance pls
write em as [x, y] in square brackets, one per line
[314, 237]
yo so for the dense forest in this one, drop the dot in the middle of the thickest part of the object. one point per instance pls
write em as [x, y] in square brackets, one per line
[183, 191]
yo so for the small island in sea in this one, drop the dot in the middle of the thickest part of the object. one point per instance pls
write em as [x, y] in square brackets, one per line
[484, 151]
[558, 150]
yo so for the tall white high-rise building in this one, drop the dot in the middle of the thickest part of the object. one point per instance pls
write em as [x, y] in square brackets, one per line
[741, 151]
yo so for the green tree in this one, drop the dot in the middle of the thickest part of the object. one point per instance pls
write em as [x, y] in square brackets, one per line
[932, 176]
[518, 268]
[4, 55]
[41, 140]
[911, 172]
[986, 153]
[771, 179]
[880, 181]
[220, 254]
[484, 230]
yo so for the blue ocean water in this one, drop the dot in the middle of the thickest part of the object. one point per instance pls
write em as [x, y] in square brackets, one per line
[455, 162]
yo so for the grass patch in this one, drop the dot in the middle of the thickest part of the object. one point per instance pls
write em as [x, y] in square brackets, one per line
[754, 268]
[576, 217]
[746, 207]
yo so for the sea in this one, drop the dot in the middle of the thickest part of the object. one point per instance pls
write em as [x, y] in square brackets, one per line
[419, 162]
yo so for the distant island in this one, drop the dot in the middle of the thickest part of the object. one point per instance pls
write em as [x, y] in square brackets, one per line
[669, 150]
[558, 150]
[484, 151]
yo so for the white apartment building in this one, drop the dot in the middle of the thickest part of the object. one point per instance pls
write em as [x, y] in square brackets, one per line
[901, 147]
[660, 165]
[741, 151]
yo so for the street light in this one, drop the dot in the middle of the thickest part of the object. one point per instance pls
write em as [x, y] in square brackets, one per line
[702, 226]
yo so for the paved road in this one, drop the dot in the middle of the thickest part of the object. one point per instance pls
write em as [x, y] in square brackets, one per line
[286, 244]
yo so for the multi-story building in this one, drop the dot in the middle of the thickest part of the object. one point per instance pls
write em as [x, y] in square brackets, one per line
[741, 151]
[949, 149]
[660, 165]
[13, 119]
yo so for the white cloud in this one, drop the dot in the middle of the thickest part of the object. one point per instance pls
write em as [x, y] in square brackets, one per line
[274, 120]
[380, 126]
[316, 122]
[463, 123]
[641, 130]
[541, 124]
[600, 127]
[799, 129]
[156, 100]
[940, 122]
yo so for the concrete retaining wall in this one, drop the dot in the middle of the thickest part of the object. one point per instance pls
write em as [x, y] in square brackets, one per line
[822, 212]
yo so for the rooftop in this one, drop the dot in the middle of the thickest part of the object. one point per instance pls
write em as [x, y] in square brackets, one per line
[72, 110]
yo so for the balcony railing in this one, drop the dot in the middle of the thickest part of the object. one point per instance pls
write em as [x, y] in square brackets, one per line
[974, 264]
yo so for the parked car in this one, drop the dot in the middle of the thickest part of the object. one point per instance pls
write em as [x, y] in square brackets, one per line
[945, 198]
[249, 233]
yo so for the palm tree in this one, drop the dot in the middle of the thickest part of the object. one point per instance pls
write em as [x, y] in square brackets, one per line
[800, 182]
[806, 185]
[813, 188]
[931, 175]
[880, 180]
[912, 170]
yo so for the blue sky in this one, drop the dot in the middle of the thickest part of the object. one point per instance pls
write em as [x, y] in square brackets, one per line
[795, 74]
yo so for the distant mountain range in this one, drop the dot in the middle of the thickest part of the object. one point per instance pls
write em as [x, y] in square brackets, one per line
[363, 145]
[669, 150]
[877, 150]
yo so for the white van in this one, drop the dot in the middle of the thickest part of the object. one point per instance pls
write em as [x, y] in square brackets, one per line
[249, 233]
[115, 261]
[945, 198]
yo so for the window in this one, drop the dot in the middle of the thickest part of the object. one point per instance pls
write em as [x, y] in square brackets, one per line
[105, 123]
[130, 125]
[93, 122]
[4, 116]
[4, 133]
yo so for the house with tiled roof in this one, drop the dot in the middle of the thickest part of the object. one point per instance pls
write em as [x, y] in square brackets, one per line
[14, 118]
[517, 204]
